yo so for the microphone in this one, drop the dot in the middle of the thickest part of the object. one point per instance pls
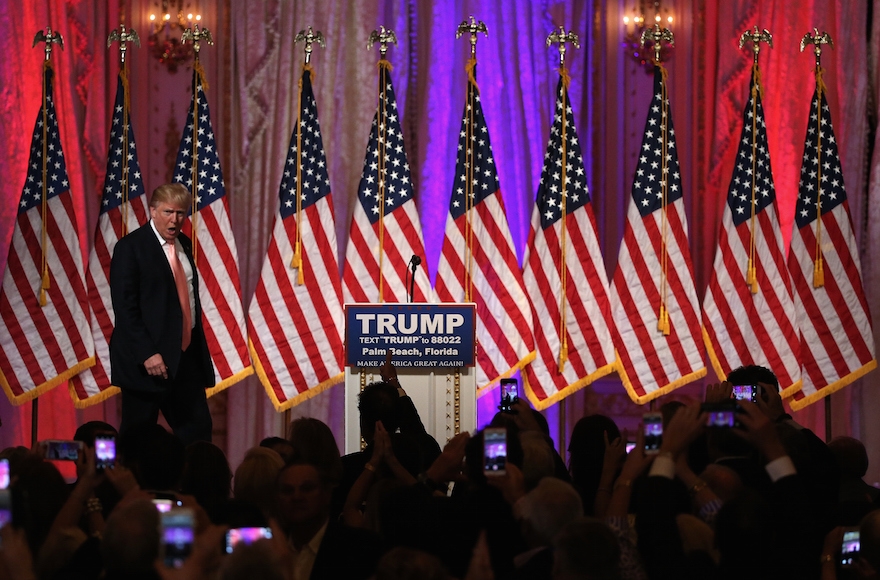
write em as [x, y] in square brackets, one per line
[414, 263]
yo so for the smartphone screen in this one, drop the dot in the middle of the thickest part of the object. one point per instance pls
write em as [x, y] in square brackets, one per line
[5, 507]
[494, 451]
[245, 536]
[850, 547]
[653, 425]
[105, 452]
[57, 450]
[177, 536]
[720, 415]
[4, 474]
[745, 392]
[509, 394]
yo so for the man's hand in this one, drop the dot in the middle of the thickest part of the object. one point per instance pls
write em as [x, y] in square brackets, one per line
[523, 416]
[387, 370]
[685, 426]
[447, 466]
[637, 461]
[770, 402]
[156, 366]
[760, 431]
[718, 392]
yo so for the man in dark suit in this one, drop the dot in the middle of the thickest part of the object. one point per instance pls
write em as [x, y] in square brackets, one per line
[158, 353]
[320, 549]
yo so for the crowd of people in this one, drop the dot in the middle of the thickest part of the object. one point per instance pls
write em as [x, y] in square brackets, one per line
[765, 498]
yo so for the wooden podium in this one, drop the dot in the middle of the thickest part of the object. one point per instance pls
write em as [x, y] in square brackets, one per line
[445, 396]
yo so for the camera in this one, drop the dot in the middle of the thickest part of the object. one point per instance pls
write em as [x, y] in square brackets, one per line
[177, 535]
[58, 450]
[721, 415]
[245, 536]
[849, 548]
[653, 425]
[105, 452]
[494, 451]
[746, 392]
[509, 395]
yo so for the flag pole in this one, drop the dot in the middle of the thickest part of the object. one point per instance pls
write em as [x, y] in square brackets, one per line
[49, 38]
[817, 40]
[472, 28]
[756, 37]
[196, 35]
[561, 37]
[124, 37]
[308, 37]
[383, 37]
[657, 36]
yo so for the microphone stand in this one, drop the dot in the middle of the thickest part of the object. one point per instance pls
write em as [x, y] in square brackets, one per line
[414, 264]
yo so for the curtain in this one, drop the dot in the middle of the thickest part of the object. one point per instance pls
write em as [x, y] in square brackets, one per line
[253, 69]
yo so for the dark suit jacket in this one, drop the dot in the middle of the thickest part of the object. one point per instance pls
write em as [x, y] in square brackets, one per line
[148, 315]
[345, 552]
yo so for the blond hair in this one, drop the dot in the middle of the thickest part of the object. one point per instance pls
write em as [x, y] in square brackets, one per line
[175, 194]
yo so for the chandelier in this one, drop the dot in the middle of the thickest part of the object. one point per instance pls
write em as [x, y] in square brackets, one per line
[645, 14]
[166, 29]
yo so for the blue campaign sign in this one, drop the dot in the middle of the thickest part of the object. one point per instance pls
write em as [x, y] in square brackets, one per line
[419, 335]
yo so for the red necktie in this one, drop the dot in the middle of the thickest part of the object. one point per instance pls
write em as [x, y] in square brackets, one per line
[182, 293]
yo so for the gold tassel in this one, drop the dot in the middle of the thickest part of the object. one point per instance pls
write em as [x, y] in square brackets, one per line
[752, 277]
[471, 68]
[566, 78]
[818, 273]
[44, 287]
[563, 357]
[300, 278]
[663, 320]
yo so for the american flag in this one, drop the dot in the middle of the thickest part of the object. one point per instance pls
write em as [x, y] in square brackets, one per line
[837, 343]
[653, 297]
[478, 262]
[198, 167]
[385, 229]
[748, 312]
[565, 255]
[123, 209]
[296, 314]
[44, 345]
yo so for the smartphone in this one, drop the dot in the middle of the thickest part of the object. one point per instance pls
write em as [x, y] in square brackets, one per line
[849, 548]
[245, 536]
[495, 451]
[653, 425]
[4, 474]
[509, 394]
[630, 445]
[721, 415]
[5, 507]
[746, 392]
[105, 452]
[58, 450]
[177, 535]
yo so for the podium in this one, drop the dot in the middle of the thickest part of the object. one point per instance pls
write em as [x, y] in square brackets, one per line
[433, 353]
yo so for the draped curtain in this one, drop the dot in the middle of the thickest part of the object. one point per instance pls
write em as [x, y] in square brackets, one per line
[253, 70]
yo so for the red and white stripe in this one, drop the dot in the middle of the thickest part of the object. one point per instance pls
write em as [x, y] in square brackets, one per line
[837, 342]
[220, 295]
[93, 384]
[742, 328]
[296, 330]
[651, 363]
[504, 316]
[41, 347]
[591, 353]
[402, 240]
